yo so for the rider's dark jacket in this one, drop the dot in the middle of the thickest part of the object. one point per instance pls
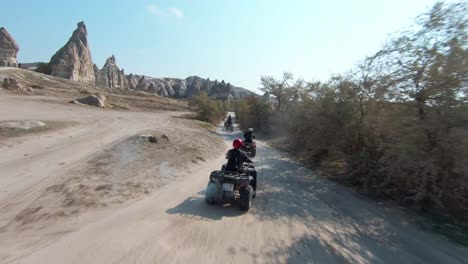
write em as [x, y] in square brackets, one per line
[249, 136]
[235, 159]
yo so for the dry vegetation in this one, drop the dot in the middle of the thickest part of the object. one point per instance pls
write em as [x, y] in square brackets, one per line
[396, 126]
[208, 109]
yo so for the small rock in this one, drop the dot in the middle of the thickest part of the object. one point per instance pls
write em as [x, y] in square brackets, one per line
[164, 136]
[148, 138]
[94, 100]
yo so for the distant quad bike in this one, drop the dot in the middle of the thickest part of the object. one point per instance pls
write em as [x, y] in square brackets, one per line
[228, 127]
[250, 149]
[227, 186]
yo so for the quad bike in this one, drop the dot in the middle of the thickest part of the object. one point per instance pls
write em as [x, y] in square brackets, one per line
[227, 186]
[250, 148]
[228, 127]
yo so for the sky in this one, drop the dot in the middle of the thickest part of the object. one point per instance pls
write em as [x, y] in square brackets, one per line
[237, 41]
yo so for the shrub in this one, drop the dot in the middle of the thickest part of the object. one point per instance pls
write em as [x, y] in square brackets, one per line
[208, 109]
[43, 67]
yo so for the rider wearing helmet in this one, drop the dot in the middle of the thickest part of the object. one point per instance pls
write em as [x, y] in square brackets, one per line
[249, 136]
[236, 158]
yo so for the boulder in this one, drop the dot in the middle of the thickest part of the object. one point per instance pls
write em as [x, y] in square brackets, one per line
[12, 84]
[8, 49]
[94, 100]
[73, 61]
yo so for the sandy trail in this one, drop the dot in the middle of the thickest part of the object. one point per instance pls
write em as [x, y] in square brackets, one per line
[30, 163]
[297, 217]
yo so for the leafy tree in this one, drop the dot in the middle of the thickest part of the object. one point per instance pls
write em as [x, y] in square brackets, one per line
[285, 90]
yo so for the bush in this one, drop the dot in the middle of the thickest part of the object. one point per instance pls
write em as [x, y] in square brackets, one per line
[208, 109]
[253, 112]
[43, 67]
[399, 121]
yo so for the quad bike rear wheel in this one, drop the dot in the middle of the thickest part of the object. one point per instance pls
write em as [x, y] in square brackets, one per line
[246, 198]
[211, 192]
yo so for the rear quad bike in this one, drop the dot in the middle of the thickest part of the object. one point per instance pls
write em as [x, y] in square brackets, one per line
[228, 127]
[227, 186]
[250, 148]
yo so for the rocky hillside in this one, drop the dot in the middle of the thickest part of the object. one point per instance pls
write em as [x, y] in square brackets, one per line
[186, 88]
[219, 90]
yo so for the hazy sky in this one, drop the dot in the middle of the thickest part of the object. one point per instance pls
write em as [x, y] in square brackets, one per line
[237, 41]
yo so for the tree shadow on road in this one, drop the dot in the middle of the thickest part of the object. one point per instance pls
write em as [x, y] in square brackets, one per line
[350, 228]
[306, 249]
[198, 208]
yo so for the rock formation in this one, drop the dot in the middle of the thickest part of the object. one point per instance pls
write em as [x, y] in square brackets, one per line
[186, 88]
[110, 75]
[73, 61]
[169, 87]
[218, 90]
[8, 49]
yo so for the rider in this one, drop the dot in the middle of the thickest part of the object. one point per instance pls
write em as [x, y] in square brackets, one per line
[249, 136]
[229, 120]
[236, 158]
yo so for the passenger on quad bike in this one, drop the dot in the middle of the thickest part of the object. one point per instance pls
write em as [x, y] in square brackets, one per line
[236, 158]
[250, 148]
[249, 136]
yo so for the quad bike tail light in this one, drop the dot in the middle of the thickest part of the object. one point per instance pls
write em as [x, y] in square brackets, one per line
[244, 183]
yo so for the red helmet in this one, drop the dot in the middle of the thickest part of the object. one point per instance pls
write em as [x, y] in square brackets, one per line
[237, 143]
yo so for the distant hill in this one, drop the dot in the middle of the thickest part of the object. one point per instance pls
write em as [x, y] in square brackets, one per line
[29, 66]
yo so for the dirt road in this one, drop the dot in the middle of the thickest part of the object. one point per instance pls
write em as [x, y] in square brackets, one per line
[296, 217]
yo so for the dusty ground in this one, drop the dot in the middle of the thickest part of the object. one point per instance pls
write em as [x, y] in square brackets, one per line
[18, 130]
[66, 90]
[93, 193]
[51, 179]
